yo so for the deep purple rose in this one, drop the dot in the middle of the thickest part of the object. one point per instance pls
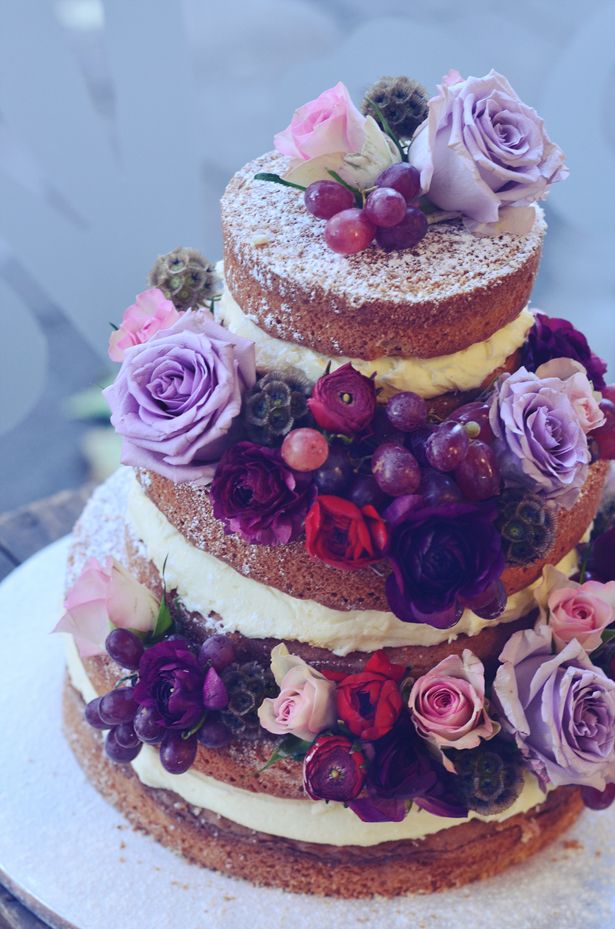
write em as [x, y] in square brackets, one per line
[542, 438]
[171, 683]
[559, 708]
[444, 558]
[176, 397]
[482, 151]
[344, 401]
[557, 338]
[256, 494]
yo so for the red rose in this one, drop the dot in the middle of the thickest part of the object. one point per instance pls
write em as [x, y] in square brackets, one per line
[370, 702]
[333, 769]
[342, 535]
[343, 401]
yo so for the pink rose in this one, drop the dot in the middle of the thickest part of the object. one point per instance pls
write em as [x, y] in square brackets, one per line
[148, 315]
[305, 705]
[104, 596]
[575, 611]
[448, 703]
[579, 390]
[331, 123]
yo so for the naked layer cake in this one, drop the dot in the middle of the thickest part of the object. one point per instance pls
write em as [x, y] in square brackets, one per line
[343, 621]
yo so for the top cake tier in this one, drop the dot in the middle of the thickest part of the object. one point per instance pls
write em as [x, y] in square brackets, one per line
[452, 290]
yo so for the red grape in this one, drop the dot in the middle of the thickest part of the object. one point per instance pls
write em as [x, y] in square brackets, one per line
[365, 490]
[475, 412]
[324, 199]
[349, 232]
[596, 799]
[126, 736]
[402, 177]
[396, 470]
[478, 475]
[385, 207]
[213, 734]
[447, 446]
[605, 435]
[305, 449]
[177, 753]
[118, 706]
[335, 474]
[217, 652]
[405, 234]
[417, 440]
[124, 647]
[437, 488]
[406, 411]
[490, 603]
[147, 725]
[121, 754]
[92, 714]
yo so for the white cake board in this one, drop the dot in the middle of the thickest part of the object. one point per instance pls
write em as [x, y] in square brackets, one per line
[76, 862]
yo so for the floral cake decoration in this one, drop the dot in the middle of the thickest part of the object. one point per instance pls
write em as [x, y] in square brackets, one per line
[438, 503]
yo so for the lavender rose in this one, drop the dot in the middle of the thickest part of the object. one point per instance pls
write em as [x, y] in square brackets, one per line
[256, 494]
[557, 338]
[444, 558]
[176, 396]
[305, 705]
[559, 708]
[542, 439]
[482, 150]
[171, 684]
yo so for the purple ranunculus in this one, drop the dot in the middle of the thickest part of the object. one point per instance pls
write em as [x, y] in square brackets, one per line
[344, 401]
[256, 494]
[542, 439]
[481, 150]
[171, 683]
[559, 708]
[176, 397]
[444, 558]
[557, 338]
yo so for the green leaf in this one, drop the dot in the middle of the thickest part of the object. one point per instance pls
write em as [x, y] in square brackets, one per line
[384, 125]
[357, 194]
[187, 733]
[164, 620]
[289, 747]
[114, 327]
[608, 635]
[276, 179]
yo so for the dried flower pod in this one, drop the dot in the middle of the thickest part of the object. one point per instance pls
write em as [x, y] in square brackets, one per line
[247, 686]
[185, 277]
[276, 403]
[402, 101]
[490, 777]
[526, 525]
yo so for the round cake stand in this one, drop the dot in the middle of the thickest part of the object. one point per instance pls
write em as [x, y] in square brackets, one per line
[76, 862]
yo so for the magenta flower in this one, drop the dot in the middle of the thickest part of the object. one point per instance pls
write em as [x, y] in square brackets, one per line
[550, 338]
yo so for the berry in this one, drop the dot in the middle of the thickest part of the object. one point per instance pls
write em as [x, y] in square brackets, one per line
[124, 647]
[437, 488]
[118, 706]
[147, 726]
[385, 207]
[490, 603]
[417, 441]
[126, 736]
[177, 753]
[92, 714]
[396, 470]
[401, 177]
[305, 449]
[336, 473]
[598, 799]
[324, 199]
[365, 491]
[213, 734]
[406, 411]
[478, 475]
[217, 652]
[447, 446]
[349, 232]
[405, 234]
[121, 754]
[605, 435]
[475, 412]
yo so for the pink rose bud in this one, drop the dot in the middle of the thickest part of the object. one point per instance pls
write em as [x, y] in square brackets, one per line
[105, 596]
[305, 705]
[150, 313]
[575, 611]
[324, 126]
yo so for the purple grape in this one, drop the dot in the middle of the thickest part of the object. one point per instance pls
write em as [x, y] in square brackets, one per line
[324, 199]
[126, 736]
[437, 488]
[147, 726]
[385, 207]
[176, 753]
[405, 234]
[490, 603]
[364, 491]
[417, 440]
[119, 753]
[401, 177]
[92, 714]
[598, 799]
[447, 446]
[475, 412]
[406, 411]
[349, 232]
[336, 473]
[214, 734]
[124, 647]
[478, 475]
[396, 470]
[217, 652]
[118, 706]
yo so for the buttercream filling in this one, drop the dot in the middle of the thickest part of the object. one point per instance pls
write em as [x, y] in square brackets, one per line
[302, 820]
[429, 377]
[207, 586]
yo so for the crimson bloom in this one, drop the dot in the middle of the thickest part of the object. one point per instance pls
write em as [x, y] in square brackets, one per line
[333, 769]
[344, 536]
[370, 702]
[343, 401]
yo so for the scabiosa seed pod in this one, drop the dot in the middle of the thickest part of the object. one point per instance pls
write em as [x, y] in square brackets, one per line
[526, 525]
[402, 101]
[247, 684]
[185, 277]
[490, 777]
[274, 406]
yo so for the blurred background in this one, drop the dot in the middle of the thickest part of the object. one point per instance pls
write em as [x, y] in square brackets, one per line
[121, 120]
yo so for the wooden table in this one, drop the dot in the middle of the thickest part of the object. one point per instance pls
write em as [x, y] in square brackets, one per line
[22, 533]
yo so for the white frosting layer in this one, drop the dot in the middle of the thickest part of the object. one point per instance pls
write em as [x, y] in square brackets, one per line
[302, 820]
[428, 377]
[207, 585]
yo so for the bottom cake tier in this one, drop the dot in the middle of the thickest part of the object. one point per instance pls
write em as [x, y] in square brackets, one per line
[451, 857]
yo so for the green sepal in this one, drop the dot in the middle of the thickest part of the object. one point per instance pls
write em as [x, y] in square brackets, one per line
[276, 179]
[608, 635]
[289, 747]
[359, 198]
[386, 128]
[164, 620]
[132, 677]
[188, 733]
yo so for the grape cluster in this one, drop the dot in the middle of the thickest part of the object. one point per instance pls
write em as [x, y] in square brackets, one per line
[526, 525]
[490, 778]
[247, 685]
[277, 401]
[389, 215]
